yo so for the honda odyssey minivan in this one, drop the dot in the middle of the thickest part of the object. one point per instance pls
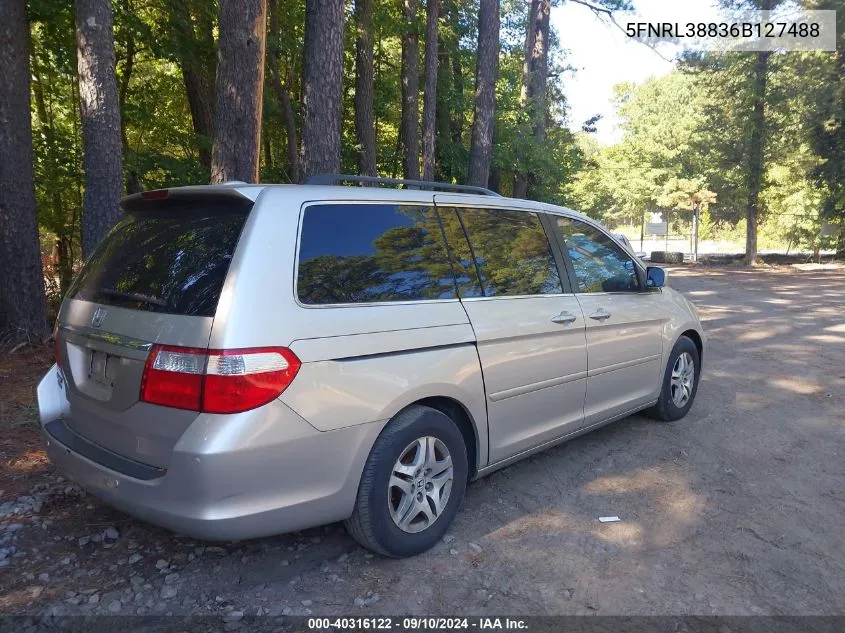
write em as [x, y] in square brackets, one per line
[235, 361]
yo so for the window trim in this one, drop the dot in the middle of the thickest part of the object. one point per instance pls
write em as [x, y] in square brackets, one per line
[562, 272]
[570, 268]
[413, 203]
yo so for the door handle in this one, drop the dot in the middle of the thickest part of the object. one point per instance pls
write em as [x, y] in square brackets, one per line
[600, 315]
[564, 317]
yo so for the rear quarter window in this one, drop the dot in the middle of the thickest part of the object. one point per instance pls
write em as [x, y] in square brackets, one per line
[172, 260]
[366, 253]
[511, 251]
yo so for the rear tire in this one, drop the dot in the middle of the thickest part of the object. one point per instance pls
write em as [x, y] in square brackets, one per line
[680, 383]
[406, 499]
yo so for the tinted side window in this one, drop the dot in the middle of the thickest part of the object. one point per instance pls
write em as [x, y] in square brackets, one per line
[600, 264]
[363, 253]
[463, 264]
[512, 252]
[172, 260]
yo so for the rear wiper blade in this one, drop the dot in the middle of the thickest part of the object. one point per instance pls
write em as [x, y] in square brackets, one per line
[134, 296]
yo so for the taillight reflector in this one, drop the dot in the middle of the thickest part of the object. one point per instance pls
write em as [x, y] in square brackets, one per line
[217, 381]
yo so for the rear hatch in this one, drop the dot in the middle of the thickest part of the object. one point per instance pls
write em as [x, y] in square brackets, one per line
[155, 279]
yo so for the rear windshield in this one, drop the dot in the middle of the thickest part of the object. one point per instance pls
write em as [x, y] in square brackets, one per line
[171, 260]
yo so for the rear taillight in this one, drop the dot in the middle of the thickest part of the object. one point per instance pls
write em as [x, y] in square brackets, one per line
[217, 381]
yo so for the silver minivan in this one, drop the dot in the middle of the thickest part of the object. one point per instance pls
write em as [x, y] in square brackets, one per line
[236, 361]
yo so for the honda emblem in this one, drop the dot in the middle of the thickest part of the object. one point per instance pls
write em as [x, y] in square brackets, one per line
[99, 315]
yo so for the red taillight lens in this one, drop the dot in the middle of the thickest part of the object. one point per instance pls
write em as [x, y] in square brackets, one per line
[217, 381]
[239, 380]
[173, 377]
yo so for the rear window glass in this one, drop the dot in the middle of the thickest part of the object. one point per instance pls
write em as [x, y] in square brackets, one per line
[172, 260]
[364, 253]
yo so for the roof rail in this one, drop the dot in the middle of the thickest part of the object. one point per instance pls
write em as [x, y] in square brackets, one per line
[337, 179]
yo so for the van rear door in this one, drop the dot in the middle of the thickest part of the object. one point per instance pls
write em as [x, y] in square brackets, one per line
[156, 278]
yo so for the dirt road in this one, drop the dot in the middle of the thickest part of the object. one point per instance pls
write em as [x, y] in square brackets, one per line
[738, 509]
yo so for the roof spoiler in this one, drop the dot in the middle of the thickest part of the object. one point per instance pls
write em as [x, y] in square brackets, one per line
[160, 198]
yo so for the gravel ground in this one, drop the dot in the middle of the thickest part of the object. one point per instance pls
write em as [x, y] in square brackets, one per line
[737, 509]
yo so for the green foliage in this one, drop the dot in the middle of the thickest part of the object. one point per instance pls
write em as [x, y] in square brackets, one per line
[685, 145]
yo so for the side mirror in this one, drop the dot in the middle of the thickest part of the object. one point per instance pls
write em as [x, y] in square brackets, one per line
[655, 277]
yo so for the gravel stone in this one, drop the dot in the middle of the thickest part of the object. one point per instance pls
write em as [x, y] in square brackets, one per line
[234, 616]
[365, 602]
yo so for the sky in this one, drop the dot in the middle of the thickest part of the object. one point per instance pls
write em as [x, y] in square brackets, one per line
[604, 56]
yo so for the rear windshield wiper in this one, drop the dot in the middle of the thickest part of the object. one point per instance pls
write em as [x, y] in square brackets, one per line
[134, 296]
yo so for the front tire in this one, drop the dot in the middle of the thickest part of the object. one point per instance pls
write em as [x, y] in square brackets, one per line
[680, 382]
[412, 484]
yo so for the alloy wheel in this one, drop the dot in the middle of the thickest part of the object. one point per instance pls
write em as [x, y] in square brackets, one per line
[683, 378]
[420, 484]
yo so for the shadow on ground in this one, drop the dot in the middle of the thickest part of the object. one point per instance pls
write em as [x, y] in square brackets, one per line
[736, 509]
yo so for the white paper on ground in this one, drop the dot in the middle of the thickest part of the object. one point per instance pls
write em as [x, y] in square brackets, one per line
[609, 519]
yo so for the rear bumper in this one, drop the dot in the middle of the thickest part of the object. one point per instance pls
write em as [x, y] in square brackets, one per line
[230, 478]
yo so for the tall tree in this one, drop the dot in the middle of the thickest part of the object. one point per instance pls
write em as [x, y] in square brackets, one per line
[192, 31]
[240, 91]
[283, 93]
[432, 18]
[22, 305]
[755, 153]
[322, 86]
[481, 147]
[829, 132]
[410, 128]
[535, 77]
[100, 115]
[364, 86]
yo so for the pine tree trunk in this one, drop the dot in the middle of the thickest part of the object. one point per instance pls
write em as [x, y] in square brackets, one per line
[240, 91]
[133, 179]
[23, 314]
[755, 155]
[432, 17]
[481, 147]
[200, 92]
[535, 72]
[194, 40]
[458, 83]
[322, 87]
[283, 95]
[443, 115]
[364, 88]
[100, 120]
[410, 127]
